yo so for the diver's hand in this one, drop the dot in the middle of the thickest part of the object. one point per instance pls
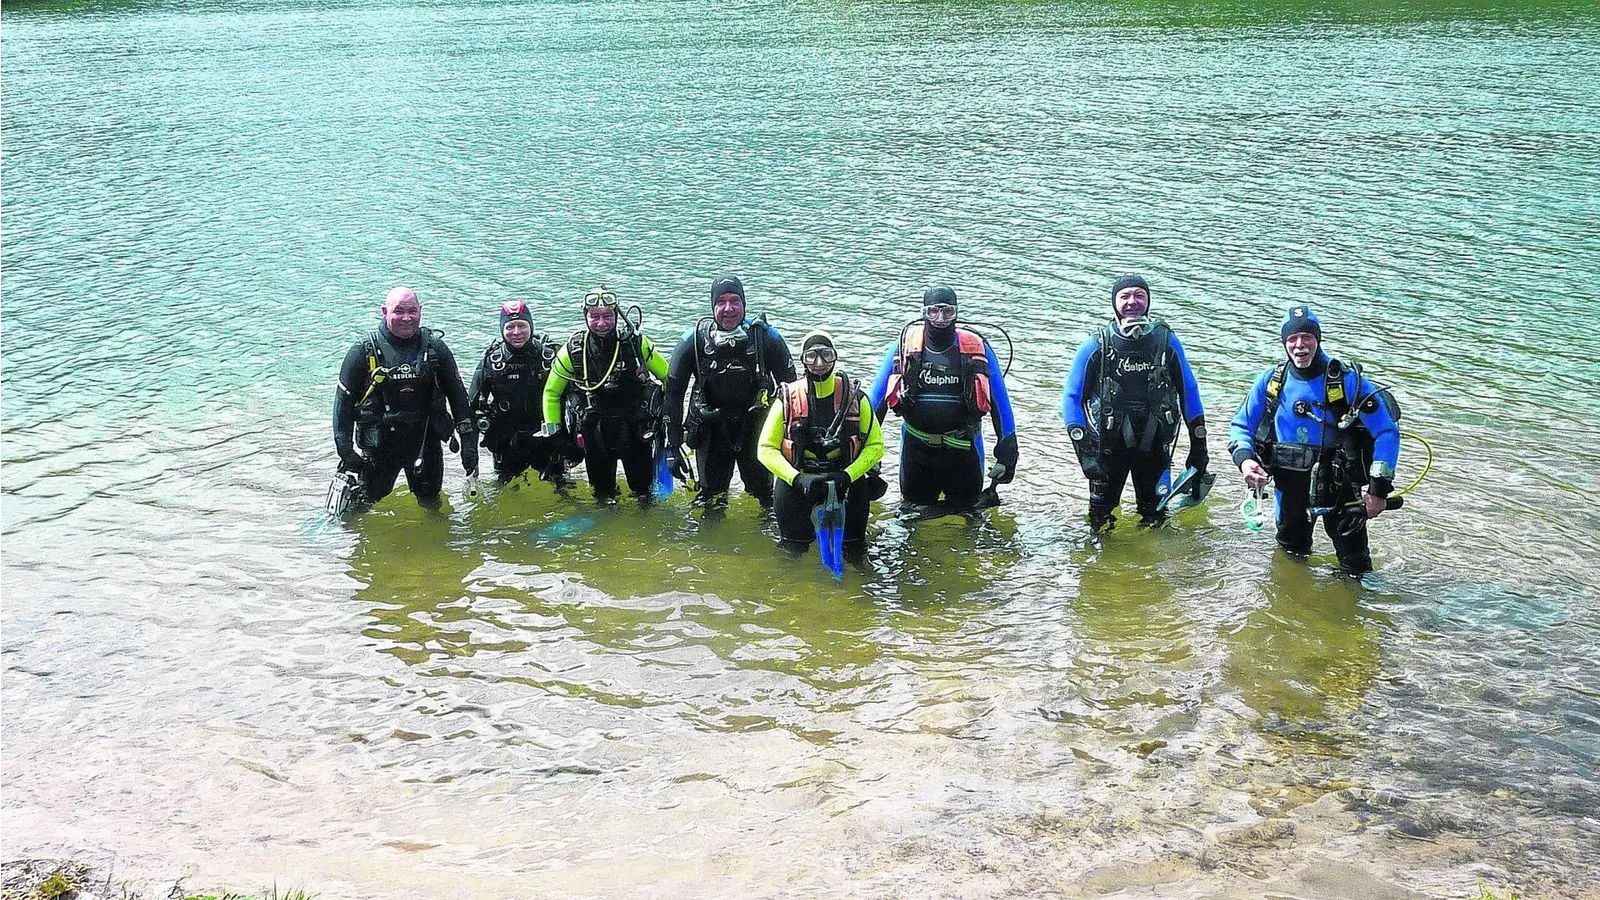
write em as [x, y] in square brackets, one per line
[680, 466]
[1094, 469]
[815, 487]
[469, 457]
[1198, 458]
[1375, 505]
[1254, 475]
[1006, 453]
[351, 461]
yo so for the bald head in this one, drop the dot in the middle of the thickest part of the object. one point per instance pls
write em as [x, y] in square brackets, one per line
[402, 314]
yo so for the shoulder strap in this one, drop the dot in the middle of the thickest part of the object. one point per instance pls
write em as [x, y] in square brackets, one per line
[970, 342]
[760, 338]
[1333, 387]
[1267, 428]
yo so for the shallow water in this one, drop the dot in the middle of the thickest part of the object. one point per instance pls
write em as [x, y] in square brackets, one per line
[203, 204]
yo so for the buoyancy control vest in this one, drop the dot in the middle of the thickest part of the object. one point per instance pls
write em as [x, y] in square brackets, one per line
[402, 384]
[824, 436]
[1136, 399]
[731, 374]
[512, 389]
[612, 382]
[961, 371]
[1348, 457]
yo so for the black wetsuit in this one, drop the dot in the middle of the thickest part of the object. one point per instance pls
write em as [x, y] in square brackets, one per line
[616, 417]
[734, 382]
[398, 421]
[508, 393]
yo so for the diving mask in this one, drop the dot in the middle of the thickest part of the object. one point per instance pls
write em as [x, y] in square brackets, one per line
[601, 296]
[1135, 328]
[1259, 509]
[720, 338]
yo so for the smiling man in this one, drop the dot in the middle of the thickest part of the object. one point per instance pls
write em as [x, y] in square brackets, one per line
[1129, 392]
[608, 378]
[389, 408]
[736, 364]
[1329, 437]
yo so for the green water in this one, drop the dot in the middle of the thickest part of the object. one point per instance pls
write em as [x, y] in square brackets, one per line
[203, 204]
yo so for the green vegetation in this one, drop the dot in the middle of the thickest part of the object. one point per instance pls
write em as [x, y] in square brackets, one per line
[60, 883]
[1485, 894]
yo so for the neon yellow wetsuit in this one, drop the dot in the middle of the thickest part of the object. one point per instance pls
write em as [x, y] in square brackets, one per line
[618, 411]
[780, 443]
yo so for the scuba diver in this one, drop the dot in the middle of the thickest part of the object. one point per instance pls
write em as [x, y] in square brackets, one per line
[389, 408]
[943, 379]
[1128, 391]
[1327, 435]
[507, 397]
[737, 364]
[821, 431]
[610, 376]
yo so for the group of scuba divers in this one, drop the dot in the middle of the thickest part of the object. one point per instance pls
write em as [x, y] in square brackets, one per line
[808, 445]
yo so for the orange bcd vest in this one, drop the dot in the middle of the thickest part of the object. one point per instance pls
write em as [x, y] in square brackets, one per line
[797, 419]
[974, 375]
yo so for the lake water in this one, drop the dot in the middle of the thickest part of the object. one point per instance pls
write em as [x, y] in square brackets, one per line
[204, 203]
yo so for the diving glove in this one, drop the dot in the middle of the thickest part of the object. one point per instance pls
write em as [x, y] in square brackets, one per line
[1088, 453]
[1199, 458]
[351, 461]
[815, 487]
[680, 465]
[1005, 453]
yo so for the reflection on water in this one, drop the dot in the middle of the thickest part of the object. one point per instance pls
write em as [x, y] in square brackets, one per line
[1306, 659]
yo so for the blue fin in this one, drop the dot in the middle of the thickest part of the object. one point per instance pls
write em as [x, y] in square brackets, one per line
[663, 485]
[829, 521]
[1188, 490]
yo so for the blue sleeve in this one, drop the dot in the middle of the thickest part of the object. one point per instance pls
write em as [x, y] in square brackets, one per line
[880, 385]
[1242, 431]
[1191, 390]
[1004, 422]
[1380, 422]
[1072, 394]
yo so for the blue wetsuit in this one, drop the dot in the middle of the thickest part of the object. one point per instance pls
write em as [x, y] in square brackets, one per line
[941, 436]
[1124, 418]
[1302, 452]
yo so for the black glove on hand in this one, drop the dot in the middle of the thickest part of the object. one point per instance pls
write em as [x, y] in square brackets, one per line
[1088, 454]
[1094, 469]
[1199, 459]
[815, 487]
[680, 466]
[350, 460]
[469, 454]
[840, 482]
[1005, 453]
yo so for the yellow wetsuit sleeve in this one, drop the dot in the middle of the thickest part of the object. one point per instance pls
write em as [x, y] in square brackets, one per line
[653, 360]
[872, 450]
[770, 449]
[560, 375]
